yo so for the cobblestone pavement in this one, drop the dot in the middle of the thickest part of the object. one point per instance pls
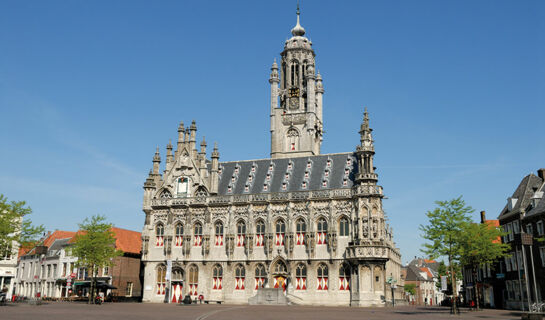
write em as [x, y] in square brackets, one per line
[136, 311]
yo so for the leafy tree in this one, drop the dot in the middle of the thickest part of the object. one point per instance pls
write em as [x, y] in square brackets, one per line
[94, 246]
[481, 244]
[410, 288]
[444, 231]
[14, 227]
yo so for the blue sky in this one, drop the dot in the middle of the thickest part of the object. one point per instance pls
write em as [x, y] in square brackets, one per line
[88, 89]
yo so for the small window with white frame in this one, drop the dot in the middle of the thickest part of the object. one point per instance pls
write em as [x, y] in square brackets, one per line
[516, 228]
[542, 255]
[539, 227]
[529, 229]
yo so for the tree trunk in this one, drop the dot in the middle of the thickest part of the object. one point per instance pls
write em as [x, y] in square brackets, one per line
[453, 279]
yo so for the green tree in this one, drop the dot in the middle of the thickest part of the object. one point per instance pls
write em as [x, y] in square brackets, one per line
[16, 227]
[410, 288]
[444, 231]
[94, 246]
[481, 244]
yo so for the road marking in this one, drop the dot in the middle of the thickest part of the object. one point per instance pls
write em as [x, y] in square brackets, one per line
[206, 315]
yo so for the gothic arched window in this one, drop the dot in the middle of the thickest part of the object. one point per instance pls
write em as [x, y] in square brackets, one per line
[322, 231]
[159, 235]
[165, 194]
[218, 235]
[301, 228]
[193, 280]
[322, 277]
[293, 139]
[280, 232]
[241, 233]
[198, 234]
[161, 279]
[240, 274]
[217, 277]
[344, 277]
[259, 233]
[301, 277]
[179, 234]
[260, 276]
[344, 227]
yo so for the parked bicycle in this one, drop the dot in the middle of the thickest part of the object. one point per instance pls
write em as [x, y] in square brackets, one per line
[537, 307]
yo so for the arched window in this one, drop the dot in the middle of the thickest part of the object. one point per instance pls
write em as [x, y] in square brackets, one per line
[301, 229]
[161, 280]
[293, 139]
[159, 235]
[322, 231]
[193, 280]
[280, 267]
[344, 277]
[259, 233]
[165, 195]
[301, 277]
[240, 274]
[217, 274]
[344, 227]
[182, 187]
[218, 233]
[179, 235]
[280, 232]
[260, 276]
[322, 277]
[241, 233]
[198, 234]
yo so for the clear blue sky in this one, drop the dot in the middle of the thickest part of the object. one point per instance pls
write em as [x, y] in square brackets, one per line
[88, 89]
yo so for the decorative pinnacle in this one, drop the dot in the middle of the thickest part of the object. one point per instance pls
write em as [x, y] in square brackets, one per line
[193, 125]
[181, 127]
[169, 145]
[274, 65]
[203, 142]
[157, 157]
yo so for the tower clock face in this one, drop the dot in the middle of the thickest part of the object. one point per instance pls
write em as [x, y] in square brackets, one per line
[294, 103]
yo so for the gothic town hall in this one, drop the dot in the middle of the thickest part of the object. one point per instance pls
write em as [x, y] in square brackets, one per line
[309, 224]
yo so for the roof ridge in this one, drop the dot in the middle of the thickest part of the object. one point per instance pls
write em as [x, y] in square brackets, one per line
[316, 155]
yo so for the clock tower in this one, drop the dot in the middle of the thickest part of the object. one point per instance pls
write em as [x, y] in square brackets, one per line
[296, 99]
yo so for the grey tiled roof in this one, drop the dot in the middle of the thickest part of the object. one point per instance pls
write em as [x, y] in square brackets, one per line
[540, 206]
[275, 175]
[523, 193]
[58, 245]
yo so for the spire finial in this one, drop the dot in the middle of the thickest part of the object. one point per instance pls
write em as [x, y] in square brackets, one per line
[298, 30]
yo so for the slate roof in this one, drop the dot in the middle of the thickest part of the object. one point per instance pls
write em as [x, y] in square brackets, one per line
[523, 193]
[540, 206]
[288, 174]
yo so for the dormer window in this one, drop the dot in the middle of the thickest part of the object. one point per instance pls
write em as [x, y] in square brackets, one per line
[220, 170]
[253, 168]
[271, 167]
[290, 165]
[287, 176]
[328, 163]
[304, 185]
[229, 189]
[348, 162]
[346, 171]
[306, 174]
[345, 182]
[236, 170]
[233, 178]
[326, 173]
[182, 186]
[246, 188]
[268, 177]
[309, 164]
[324, 183]
[284, 186]
[250, 178]
[265, 187]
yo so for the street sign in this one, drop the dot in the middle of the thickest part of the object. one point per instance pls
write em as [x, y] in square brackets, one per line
[500, 275]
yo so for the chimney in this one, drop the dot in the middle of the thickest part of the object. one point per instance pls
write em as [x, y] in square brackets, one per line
[541, 173]
[483, 216]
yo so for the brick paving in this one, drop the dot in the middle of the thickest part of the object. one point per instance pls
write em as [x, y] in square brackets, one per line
[137, 311]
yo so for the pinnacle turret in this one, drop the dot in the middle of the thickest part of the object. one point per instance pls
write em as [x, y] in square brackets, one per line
[298, 30]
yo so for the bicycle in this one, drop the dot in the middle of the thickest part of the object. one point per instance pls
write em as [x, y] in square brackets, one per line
[537, 307]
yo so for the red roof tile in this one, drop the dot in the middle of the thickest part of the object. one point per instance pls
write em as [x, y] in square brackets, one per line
[427, 271]
[127, 240]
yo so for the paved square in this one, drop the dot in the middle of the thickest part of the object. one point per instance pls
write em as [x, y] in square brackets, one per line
[136, 311]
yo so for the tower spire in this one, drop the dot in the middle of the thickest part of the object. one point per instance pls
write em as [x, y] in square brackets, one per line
[298, 30]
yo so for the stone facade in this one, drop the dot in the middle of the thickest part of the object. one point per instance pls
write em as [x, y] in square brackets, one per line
[309, 223]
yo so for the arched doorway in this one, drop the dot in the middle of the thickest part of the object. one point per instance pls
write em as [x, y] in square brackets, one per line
[280, 275]
[177, 285]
